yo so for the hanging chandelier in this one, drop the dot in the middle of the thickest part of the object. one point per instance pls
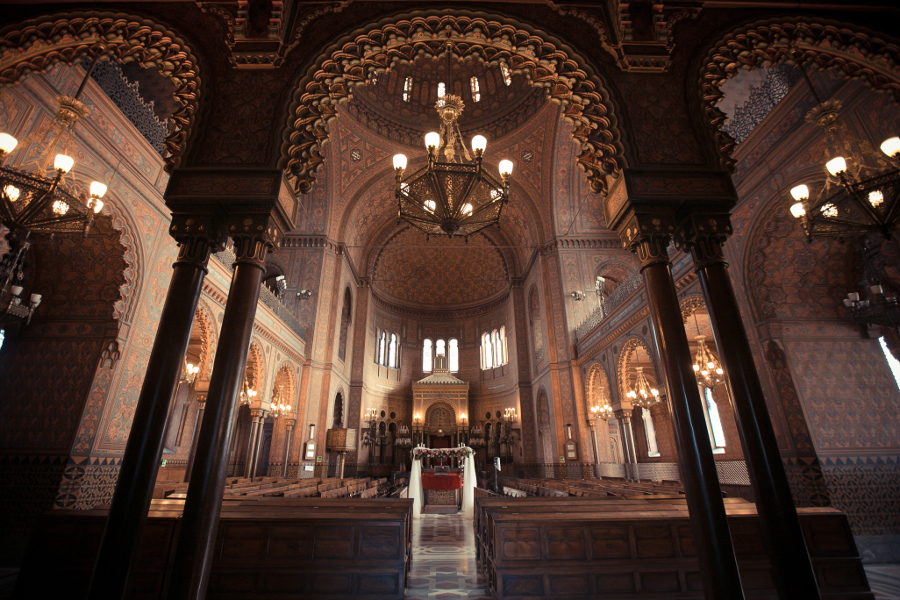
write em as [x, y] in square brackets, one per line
[40, 201]
[280, 408]
[641, 394]
[454, 196]
[248, 394]
[602, 411]
[861, 194]
[706, 367]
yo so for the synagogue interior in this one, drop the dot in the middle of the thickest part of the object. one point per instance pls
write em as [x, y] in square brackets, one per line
[384, 299]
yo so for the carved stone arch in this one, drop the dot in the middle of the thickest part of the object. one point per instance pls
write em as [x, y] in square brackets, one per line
[857, 51]
[35, 44]
[432, 409]
[597, 380]
[208, 326]
[285, 376]
[615, 270]
[690, 304]
[256, 365]
[628, 349]
[569, 79]
[122, 221]
[339, 417]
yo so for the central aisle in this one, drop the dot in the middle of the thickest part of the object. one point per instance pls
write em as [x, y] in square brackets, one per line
[443, 560]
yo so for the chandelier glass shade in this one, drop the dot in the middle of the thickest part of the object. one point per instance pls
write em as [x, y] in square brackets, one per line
[189, 372]
[706, 366]
[248, 395]
[452, 194]
[641, 393]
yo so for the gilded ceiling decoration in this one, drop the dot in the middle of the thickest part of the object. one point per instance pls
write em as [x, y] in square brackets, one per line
[449, 272]
[585, 102]
[828, 44]
[34, 45]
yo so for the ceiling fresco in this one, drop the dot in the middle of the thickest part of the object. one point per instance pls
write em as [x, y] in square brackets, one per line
[443, 272]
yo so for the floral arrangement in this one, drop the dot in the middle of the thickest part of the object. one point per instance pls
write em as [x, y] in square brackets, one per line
[460, 453]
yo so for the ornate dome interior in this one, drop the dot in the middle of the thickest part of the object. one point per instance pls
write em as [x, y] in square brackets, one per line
[405, 98]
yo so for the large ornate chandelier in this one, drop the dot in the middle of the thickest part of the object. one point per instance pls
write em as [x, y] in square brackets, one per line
[706, 367]
[861, 194]
[641, 393]
[40, 201]
[453, 196]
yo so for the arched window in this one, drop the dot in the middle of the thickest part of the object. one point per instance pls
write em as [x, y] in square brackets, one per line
[393, 351]
[380, 347]
[504, 357]
[487, 353]
[440, 349]
[407, 89]
[453, 359]
[650, 430]
[717, 434]
[427, 359]
[345, 324]
[476, 89]
[497, 347]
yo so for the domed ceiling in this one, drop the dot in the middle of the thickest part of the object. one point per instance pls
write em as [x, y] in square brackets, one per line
[381, 107]
[440, 273]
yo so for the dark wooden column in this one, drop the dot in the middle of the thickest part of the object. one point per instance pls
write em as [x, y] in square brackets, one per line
[196, 235]
[256, 223]
[641, 207]
[194, 436]
[712, 537]
[782, 534]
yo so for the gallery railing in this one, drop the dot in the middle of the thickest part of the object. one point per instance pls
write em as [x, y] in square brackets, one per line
[609, 304]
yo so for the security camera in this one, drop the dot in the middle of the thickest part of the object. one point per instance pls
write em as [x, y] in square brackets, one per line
[304, 294]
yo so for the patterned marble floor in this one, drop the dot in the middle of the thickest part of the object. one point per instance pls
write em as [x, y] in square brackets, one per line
[443, 560]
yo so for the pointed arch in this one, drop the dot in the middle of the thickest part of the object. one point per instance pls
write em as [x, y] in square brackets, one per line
[36, 44]
[856, 51]
[545, 61]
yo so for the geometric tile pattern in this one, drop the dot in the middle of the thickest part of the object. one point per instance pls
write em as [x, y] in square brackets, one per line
[443, 560]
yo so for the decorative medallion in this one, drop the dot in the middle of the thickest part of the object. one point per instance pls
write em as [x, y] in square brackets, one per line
[527, 155]
[356, 155]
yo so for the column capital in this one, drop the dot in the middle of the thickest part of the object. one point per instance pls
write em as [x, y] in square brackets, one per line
[258, 413]
[289, 423]
[703, 235]
[254, 206]
[645, 207]
[623, 415]
[198, 234]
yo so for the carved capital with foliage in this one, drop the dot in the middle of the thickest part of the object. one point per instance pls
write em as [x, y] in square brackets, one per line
[704, 236]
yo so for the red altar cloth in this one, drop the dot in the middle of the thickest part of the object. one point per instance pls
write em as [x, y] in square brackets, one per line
[450, 481]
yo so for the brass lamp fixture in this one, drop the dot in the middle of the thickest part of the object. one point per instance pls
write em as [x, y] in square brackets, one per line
[189, 372]
[601, 411]
[454, 196]
[510, 416]
[248, 395]
[642, 394]
[40, 201]
[861, 194]
[706, 367]
[280, 405]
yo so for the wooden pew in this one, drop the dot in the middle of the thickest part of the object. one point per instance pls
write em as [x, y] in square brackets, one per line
[623, 553]
[266, 548]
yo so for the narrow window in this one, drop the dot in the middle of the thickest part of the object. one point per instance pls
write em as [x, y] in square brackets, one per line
[650, 430]
[407, 89]
[504, 70]
[454, 356]
[503, 352]
[715, 423]
[392, 351]
[380, 348]
[487, 352]
[893, 363]
[476, 89]
[441, 348]
[427, 360]
[497, 348]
